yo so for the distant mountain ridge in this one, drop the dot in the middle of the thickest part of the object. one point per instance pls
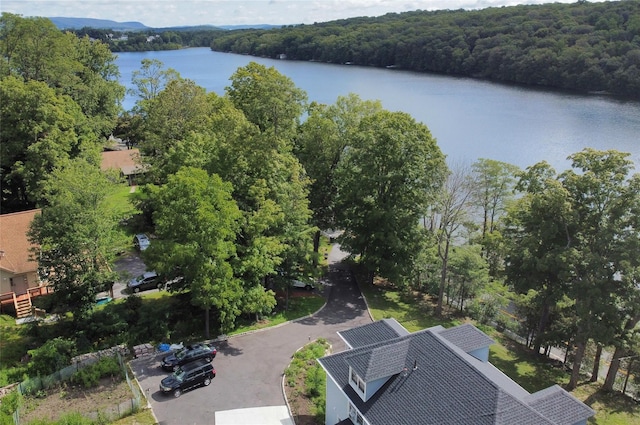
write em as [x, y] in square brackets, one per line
[79, 23]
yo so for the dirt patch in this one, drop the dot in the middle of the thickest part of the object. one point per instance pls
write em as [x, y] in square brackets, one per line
[55, 402]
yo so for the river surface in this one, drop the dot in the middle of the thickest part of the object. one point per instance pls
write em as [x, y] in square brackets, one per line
[469, 118]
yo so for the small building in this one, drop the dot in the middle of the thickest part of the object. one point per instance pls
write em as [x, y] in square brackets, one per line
[19, 281]
[436, 376]
[126, 161]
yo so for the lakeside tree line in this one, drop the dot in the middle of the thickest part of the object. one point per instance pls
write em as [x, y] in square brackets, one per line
[151, 39]
[592, 47]
[237, 188]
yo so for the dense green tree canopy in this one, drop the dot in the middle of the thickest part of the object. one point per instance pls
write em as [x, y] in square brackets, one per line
[180, 111]
[196, 223]
[60, 98]
[324, 136]
[539, 253]
[583, 46]
[386, 181]
[268, 99]
[572, 236]
[75, 233]
[605, 201]
[34, 49]
[188, 127]
[40, 131]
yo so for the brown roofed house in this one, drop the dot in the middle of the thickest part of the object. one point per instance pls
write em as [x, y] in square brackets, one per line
[126, 161]
[18, 269]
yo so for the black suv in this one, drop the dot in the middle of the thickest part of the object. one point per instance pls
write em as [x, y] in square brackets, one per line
[188, 376]
[188, 354]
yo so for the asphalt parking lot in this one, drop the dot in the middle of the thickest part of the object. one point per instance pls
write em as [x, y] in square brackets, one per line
[249, 367]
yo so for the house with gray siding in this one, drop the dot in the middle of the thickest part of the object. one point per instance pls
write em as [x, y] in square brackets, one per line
[437, 376]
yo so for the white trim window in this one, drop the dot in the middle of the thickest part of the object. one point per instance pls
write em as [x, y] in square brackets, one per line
[355, 416]
[357, 383]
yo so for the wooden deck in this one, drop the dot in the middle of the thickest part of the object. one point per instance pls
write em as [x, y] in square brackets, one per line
[22, 302]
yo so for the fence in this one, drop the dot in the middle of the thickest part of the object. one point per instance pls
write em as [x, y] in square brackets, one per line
[626, 376]
[33, 385]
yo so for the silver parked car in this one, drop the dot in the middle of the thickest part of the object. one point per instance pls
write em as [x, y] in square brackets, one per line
[141, 241]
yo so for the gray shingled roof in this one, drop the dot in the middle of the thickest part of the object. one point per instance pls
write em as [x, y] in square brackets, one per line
[559, 406]
[467, 337]
[380, 362]
[445, 388]
[382, 330]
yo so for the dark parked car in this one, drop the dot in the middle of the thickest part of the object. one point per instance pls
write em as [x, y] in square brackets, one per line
[147, 280]
[188, 376]
[189, 354]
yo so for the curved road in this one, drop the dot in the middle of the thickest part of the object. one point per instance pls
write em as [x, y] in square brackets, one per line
[249, 367]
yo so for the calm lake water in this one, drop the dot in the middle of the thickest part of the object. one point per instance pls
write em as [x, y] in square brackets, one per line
[470, 119]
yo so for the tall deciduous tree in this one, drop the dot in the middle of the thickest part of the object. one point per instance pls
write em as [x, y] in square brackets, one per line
[450, 213]
[85, 70]
[387, 179]
[150, 80]
[493, 185]
[574, 236]
[40, 131]
[181, 110]
[605, 200]
[75, 234]
[323, 138]
[196, 222]
[269, 182]
[268, 99]
[494, 181]
[539, 256]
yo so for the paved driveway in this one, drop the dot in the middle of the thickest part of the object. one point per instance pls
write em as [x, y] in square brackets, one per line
[250, 367]
[128, 266]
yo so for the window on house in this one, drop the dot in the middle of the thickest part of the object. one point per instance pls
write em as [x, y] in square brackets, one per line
[11, 282]
[355, 416]
[352, 413]
[357, 383]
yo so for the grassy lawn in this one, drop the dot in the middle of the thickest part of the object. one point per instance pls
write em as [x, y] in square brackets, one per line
[531, 372]
[611, 409]
[143, 417]
[120, 202]
[386, 302]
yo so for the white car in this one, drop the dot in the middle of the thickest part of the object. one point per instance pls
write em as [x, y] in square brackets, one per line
[303, 285]
[141, 241]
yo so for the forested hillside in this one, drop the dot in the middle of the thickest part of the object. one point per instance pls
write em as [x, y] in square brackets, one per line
[583, 46]
[151, 38]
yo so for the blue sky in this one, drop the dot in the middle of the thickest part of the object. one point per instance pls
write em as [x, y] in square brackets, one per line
[166, 13]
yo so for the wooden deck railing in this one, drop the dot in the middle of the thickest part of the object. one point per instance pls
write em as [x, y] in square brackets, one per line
[13, 298]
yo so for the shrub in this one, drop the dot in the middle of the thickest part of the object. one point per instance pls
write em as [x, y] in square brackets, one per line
[10, 403]
[90, 376]
[314, 381]
[50, 357]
